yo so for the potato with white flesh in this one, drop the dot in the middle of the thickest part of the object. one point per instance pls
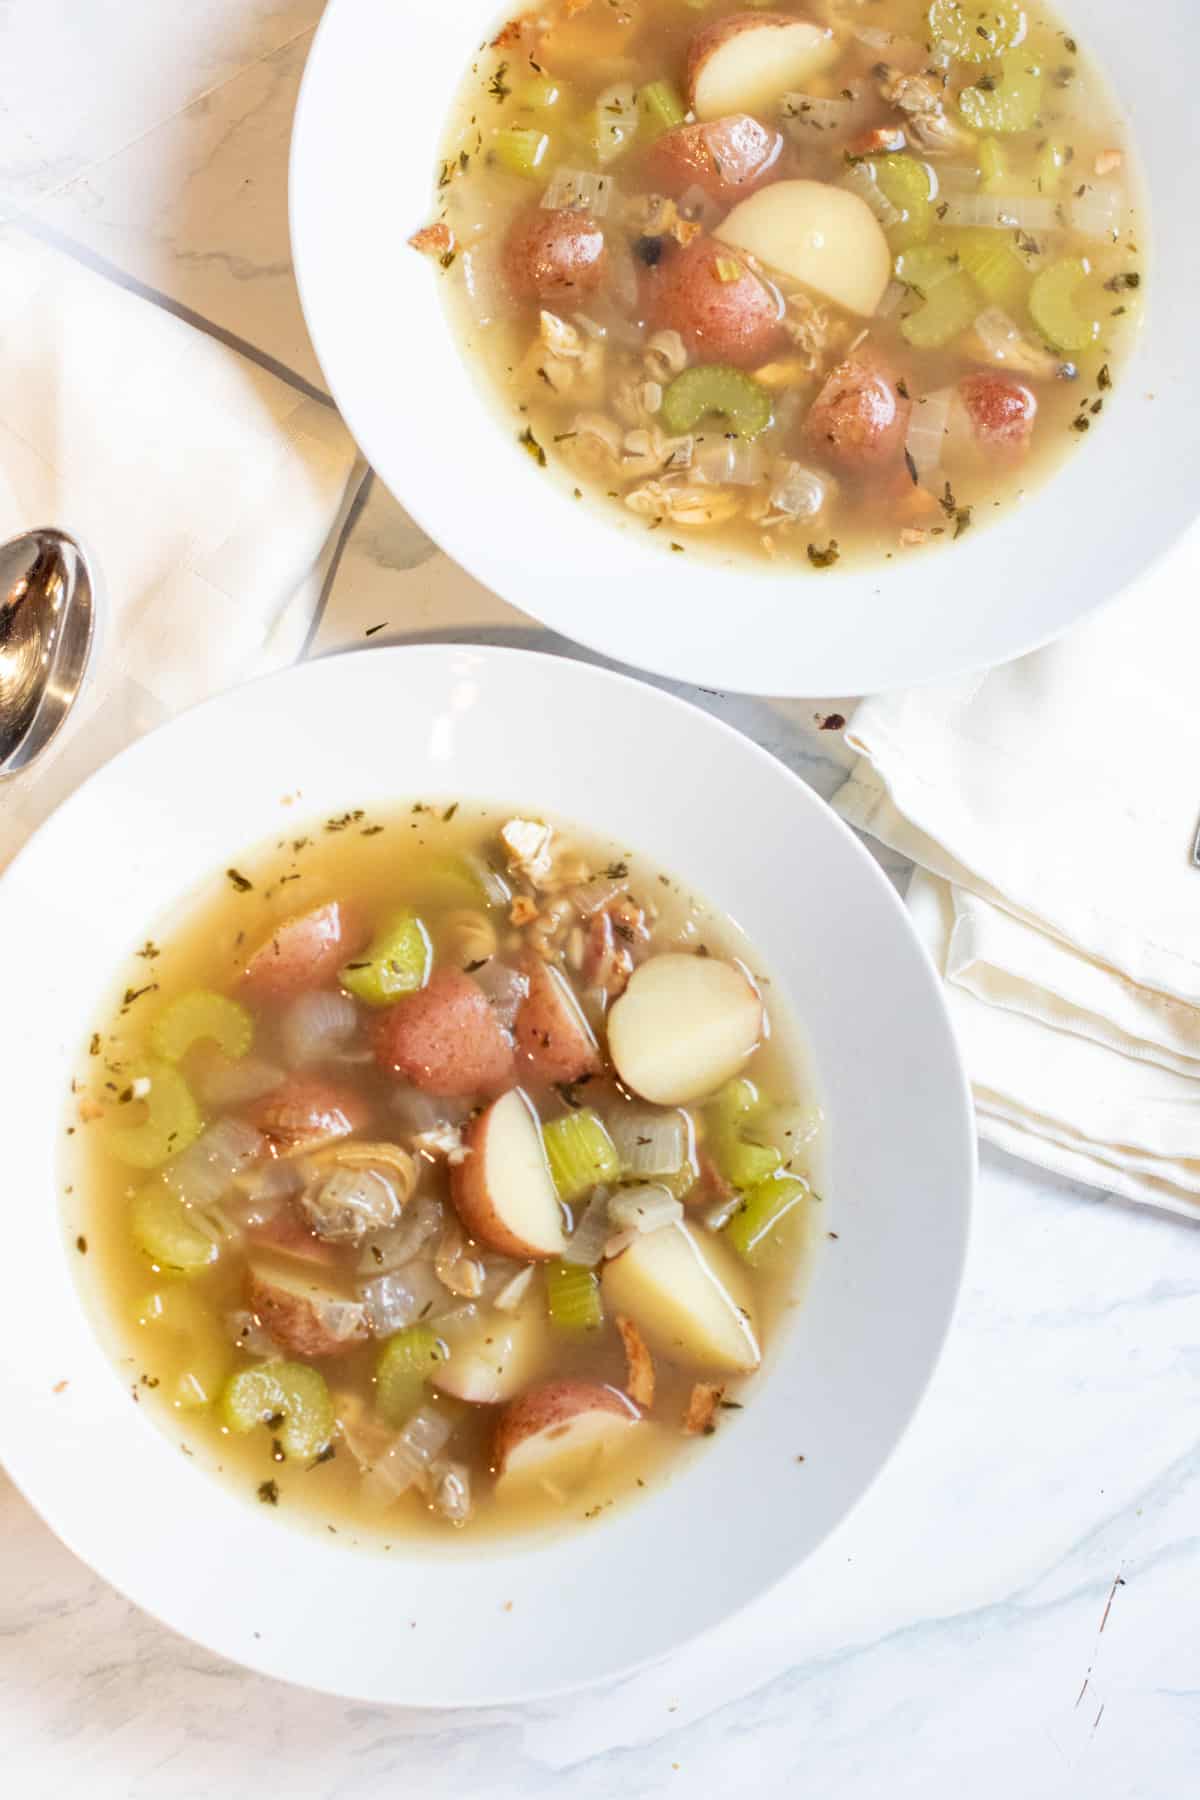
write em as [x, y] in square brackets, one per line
[683, 1026]
[503, 1191]
[748, 61]
[688, 1296]
[303, 1313]
[558, 1432]
[812, 232]
[495, 1356]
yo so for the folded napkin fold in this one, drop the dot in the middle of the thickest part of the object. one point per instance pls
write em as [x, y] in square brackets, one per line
[1051, 807]
[207, 492]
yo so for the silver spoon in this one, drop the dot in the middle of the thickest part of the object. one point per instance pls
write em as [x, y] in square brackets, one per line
[47, 618]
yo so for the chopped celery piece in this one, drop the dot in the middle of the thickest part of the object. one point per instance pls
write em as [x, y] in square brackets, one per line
[753, 1229]
[396, 961]
[172, 1120]
[993, 265]
[977, 33]
[715, 388]
[925, 267]
[573, 1297]
[523, 149]
[1012, 103]
[164, 1229]
[580, 1153]
[993, 166]
[1054, 305]
[660, 107]
[405, 1364]
[907, 184]
[290, 1392]
[736, 1110]
[198, 1015]
[1048, 169]
[540, 93]
[951, 304]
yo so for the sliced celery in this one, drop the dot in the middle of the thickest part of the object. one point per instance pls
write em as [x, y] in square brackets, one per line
[754, 1228]
[1010, 104]
[573, 1297]
[950, 306]
[715, 388]
[405, 1364]
[735, 1111]
[993, 166]
[580, 1153]
[993, 265]
[172, 1119]
[396, 961]
[977, 33]
[1056, 309]
[925, 267]
[523, 149]
[201, 1014]
[164, 1229]
[660, 107]
[540, 93]
[291, 1393]
[907, 184]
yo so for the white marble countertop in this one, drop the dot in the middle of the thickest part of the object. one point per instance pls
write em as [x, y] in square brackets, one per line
[1013, 1610]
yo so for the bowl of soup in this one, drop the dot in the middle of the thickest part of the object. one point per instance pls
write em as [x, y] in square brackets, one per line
[820, 349]
[455, 1174]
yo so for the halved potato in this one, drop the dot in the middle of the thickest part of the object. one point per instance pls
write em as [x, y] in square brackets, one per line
[688, 1296]
[683, 1026]
[503, 1190]
[823, 236]
[495, 1356]
[557, 1433]
[748, 61]
[304, 1312]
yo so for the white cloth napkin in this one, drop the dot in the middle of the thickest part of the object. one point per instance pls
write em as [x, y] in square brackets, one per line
[207, 492]
[1051, 808]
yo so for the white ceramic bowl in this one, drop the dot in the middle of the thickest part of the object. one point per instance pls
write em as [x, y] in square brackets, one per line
[369, 125]
[368, 730]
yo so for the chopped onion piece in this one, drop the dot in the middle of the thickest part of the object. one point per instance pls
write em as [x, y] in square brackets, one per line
[595, 895]
[505, 988]
[649, 1143]
[1001, 212]
[799, 492]
[1098, 213]
[578, 187]
[717, 1216]
[420, 1222]
[315, 1026]
[496, 890]
[513, 1292]
[621, 282]
[807, 116]
[728, 461]
[585, 1246]
[483, 281]
[247, 1333]
[405, 1463]
[229, 1083]
[203, 1173]
[393, 1301]
[860, 180]
[894, 295]
[928, 426]
[452, 1491]
[616, 120]
[644, 1208]
[460, 1273]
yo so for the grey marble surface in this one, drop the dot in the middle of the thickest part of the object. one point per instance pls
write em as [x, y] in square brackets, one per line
[1012, 1610]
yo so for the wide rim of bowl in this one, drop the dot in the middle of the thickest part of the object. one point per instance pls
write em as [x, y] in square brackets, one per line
[24, 1457]
[965, 608]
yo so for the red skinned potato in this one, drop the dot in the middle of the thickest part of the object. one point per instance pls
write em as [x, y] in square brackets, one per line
[554, 1039]
[559, 1431]
[445, 1039]
[1001, 411]
[553, 255]
[503, 1190]
[721, 321]
[858, 422]
[306, 951]
[305, 1113]
[726, 158]
[302, 1312]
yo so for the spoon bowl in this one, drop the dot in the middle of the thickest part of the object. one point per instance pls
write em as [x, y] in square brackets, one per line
[47, 620]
